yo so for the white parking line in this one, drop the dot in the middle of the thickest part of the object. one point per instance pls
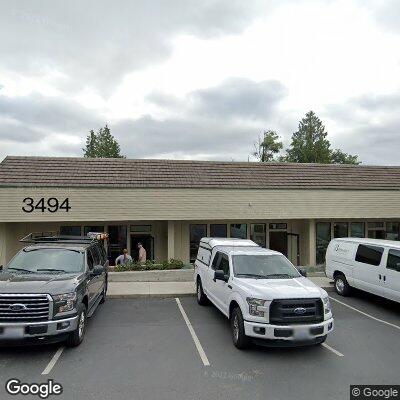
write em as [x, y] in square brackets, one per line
[338, 353]
[53, 361]
[196, 340]
[364, 313]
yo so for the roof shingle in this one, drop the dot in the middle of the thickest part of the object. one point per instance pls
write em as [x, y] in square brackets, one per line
[130, 173]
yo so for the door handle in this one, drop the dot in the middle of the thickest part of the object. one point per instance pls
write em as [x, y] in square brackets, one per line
[229, 286]
[384, 278]
[380, 276]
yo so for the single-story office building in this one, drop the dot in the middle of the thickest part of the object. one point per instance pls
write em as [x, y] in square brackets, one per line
[169, 205]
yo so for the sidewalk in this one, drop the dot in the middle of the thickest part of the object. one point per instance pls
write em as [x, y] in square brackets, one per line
[124, 290]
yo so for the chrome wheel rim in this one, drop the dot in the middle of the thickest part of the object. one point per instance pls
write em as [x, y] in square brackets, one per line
[339, 285]
[235, 327]
[81, 326]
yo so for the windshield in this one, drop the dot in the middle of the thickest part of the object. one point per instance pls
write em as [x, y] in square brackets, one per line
[47, 261]
[263, 266]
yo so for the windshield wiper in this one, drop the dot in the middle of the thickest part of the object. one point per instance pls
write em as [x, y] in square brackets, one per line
[20, 269]
[255, 276]
[279, 276]
[51, 270]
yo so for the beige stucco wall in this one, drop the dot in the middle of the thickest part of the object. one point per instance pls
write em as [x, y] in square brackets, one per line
[192, 204]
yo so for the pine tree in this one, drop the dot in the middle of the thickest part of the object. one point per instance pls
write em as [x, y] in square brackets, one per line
[103, 145]
[90, 149]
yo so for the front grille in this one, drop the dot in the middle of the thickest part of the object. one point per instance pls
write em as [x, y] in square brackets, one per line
[282, 312]
[24, 307]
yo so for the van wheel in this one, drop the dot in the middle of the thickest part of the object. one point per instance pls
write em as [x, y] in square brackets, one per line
[341, 286]
[240, 340]
[76, 337]
[201, 296]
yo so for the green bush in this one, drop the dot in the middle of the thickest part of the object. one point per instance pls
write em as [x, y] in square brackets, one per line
[149, 265]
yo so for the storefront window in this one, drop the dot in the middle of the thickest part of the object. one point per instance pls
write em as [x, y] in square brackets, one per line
[239, 231]
[257, 234]
[117, 241]
[392, 230]
[340, 229]
[197, 231]
[357, 229]
[95, 228]
[323, 238]
[70, 230]
[376, 230]
[218, 230]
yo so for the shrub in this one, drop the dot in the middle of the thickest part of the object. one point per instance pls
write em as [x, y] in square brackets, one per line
[149, 265]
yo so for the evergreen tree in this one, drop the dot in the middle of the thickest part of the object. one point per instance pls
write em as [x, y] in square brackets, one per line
[90, 149]
[103, 145]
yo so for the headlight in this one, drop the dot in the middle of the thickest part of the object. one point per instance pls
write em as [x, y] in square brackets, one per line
[256, 306]
[64, 302]
[327, 305]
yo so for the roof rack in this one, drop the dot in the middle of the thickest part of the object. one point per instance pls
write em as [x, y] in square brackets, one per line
[46, 237]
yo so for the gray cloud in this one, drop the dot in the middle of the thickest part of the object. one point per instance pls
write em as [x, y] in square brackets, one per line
[95, 43]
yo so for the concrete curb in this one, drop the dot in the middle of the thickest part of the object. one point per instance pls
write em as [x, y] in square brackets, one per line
[173, 275]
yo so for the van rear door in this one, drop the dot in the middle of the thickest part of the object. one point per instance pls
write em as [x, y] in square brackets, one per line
[369, 268]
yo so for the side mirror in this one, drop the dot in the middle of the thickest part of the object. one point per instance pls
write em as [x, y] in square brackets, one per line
[303, 272]
[220, 276]
[98, 270]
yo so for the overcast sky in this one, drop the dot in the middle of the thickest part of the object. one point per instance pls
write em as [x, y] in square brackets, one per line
[200, 79]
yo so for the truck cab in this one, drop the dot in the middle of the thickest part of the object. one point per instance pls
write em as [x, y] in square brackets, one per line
[264, 296]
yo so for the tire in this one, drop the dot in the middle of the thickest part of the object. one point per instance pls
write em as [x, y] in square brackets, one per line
[76, 337]
[240, 340]
[104, 294]
[342, 288]
[201, 296]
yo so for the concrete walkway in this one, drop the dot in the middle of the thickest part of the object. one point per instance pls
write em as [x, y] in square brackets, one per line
[171, 289]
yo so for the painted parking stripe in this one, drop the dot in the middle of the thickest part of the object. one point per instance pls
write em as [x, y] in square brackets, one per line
[364, 313]
[338, 353]
[196, 340]
[53, 361]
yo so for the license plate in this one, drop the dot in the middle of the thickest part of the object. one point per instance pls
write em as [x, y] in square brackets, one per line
[302, 334]
[13, 332]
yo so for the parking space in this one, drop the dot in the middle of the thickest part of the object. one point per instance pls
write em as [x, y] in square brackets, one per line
[144, 348]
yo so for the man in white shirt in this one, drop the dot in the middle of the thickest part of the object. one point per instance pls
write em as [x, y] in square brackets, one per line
[123, 258]
[142, 253]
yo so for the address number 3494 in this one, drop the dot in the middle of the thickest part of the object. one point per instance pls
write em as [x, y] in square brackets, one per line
[52, 204]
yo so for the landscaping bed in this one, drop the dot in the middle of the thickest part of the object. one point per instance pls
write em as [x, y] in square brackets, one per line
[149, 265]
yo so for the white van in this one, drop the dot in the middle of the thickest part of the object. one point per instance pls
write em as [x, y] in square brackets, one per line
[371, 265]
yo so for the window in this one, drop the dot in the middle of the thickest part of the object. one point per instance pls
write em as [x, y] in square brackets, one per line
[257, 234]
[369, 254]
[197, 231]
[218, 230]
[392, 230]
[393, 261]
[376, 230]
[340, 229]
[70, 230]
[323, 233]
[90, 260]
[357, 229]
[95, 228]
[239, 231]
[281, 226]
[95, 256]
[216, 260]
[221, 262]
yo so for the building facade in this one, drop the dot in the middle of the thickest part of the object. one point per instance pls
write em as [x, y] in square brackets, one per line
[170, 205]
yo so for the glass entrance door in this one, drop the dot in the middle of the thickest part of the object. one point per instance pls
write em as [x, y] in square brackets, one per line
[278, 241]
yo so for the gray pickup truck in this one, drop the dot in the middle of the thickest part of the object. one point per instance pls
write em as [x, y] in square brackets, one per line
[50, 288]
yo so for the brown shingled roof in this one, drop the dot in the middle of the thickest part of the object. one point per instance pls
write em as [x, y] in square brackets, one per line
[125, 173]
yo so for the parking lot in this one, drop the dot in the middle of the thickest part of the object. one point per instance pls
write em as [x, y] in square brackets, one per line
[147, 349]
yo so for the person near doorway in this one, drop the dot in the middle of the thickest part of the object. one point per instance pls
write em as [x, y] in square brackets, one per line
[142, 253]
[124, 258]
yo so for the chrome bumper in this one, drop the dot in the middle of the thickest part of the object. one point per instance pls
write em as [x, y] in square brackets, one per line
[28, 330]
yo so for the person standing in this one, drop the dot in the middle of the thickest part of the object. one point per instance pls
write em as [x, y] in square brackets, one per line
[124, 258]
[142, 253]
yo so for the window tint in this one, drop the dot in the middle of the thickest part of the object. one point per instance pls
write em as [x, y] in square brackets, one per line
[218, 230]
[369, 254]
[323, 239]
[90, 260]
[70, 230]
[224, 264]
[239, 231]
[357, 229]
[97, 255]
[393, 261]
[216, 261]
[197, 231]
[340, 229]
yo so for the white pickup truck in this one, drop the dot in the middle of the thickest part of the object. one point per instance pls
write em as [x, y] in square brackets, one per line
[262, 293]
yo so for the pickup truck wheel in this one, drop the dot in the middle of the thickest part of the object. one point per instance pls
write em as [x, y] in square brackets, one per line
[240, 340]
[104, 294]
[342, 288]
[76, 337]
[201, 296]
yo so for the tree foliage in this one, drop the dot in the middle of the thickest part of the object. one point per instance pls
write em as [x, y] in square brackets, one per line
[267, 146]
[102, 144]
